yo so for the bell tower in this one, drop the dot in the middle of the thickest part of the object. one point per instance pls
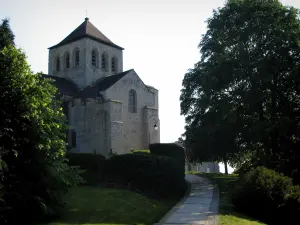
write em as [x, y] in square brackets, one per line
[85, 56]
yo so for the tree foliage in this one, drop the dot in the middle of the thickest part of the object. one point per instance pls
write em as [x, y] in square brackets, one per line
[34, 173]
[242, 98]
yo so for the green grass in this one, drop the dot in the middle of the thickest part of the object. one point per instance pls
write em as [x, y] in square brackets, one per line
[94, 206]
[227, 213]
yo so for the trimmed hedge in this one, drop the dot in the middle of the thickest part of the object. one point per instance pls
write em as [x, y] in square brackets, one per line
[89, 163]
[156, 172]
[168, 149]
[154, 175]
[171, 150]
[268, 196]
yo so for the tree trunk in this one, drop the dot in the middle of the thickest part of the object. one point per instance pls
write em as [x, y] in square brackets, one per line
[226, 167]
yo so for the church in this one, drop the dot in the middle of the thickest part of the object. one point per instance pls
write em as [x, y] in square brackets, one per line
[108, 110]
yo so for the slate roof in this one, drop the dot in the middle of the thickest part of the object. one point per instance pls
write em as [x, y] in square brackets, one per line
[64, 86]
[102, 84]
[86, 29]
[69, 88]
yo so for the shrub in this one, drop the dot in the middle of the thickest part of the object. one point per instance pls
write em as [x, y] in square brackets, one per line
[266, 195]
[168, 149]
[291, 208]
[171, 150]
[154, 175]
[89, 163]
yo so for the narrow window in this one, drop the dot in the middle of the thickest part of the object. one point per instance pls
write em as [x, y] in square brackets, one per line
[94, 58]
[77, 58]
[103, 61]
[67, 60]
[57, 64]
[132, 101]
[73, 137]
[113, 65]
[65, 106]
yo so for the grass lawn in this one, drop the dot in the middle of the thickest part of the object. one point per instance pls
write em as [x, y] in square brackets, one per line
[94, 206]
[227, 213]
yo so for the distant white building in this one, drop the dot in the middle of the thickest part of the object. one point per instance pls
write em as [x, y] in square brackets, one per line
[205, 167]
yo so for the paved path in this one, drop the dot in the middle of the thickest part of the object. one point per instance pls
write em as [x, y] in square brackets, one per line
[199, 207]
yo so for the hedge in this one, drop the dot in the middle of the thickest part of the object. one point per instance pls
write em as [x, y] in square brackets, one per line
[89, 163]
[157, 172]
[268, 196]
[154, 175]
[168, 149]
[171, 150]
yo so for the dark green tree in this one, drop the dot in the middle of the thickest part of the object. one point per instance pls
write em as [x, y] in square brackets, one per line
[34, 173]
[242, 97]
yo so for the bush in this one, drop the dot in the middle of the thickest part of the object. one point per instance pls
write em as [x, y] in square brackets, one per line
[291, 208]
[168, 149]
[89, 163]
[153, 175]
[266, 195]
[171, 150]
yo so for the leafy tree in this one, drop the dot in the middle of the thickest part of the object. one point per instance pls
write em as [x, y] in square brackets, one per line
[34, 173]
[242, 97]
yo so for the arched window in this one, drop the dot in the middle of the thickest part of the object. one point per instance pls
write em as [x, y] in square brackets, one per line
[132, 101]
[114, 64]
[94, 60]
[57, 64]
[77, 57]
[67, 60]
[104, 61]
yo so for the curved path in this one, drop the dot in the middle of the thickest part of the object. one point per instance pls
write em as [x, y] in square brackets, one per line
[200, 206]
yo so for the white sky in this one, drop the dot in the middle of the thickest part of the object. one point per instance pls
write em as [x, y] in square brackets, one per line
[160, 38]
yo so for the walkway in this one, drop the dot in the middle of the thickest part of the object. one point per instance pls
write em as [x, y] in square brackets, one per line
[200, 206]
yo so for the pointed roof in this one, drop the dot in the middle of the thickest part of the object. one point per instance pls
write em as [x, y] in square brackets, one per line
[86, 29]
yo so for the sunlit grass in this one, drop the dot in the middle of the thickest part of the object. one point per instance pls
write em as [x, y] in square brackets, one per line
[236, 220]
[95, 206]
[227, 212]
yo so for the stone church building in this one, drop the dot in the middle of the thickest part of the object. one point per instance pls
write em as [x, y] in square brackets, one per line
[108, 109]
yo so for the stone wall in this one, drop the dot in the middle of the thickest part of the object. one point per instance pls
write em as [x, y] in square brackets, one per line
[89, 120]
[116, 127]
[134, 129]
[151, 120]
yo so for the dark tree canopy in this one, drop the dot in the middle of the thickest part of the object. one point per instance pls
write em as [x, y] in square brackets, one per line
[242, 98]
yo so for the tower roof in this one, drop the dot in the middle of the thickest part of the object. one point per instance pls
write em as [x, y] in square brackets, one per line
[86, 29]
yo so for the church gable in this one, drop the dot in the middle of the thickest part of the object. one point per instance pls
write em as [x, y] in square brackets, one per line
[132, 83]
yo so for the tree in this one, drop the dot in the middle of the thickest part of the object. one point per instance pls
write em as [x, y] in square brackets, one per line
[34, 173]
[242, 97]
